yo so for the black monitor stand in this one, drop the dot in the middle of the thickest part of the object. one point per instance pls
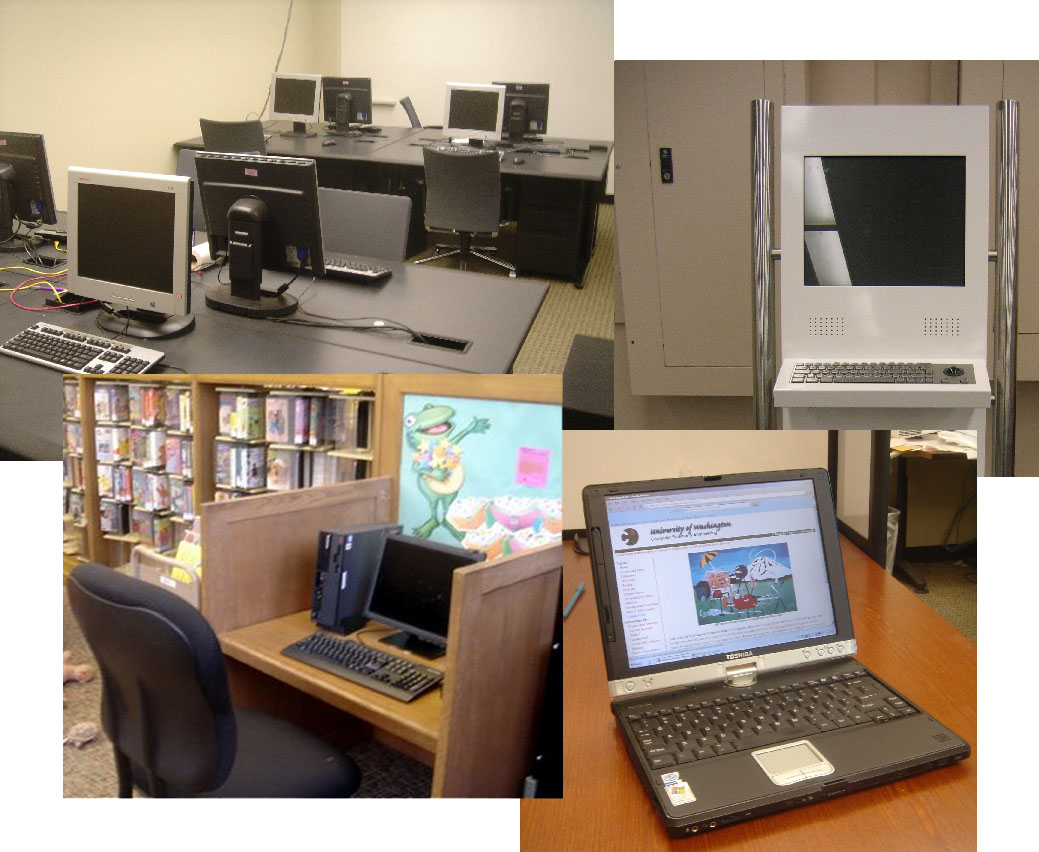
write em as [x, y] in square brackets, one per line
[409, 642]
[299, 131]
[145, 325]
[245, 223]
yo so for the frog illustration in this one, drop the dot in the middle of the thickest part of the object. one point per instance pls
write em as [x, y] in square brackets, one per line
[437, 461]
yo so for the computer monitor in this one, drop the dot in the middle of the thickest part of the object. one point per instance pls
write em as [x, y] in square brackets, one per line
[25, 182]
[412, 591]
[347, 100]
[129, 247]
[295, 98]
[884, 232]
[269, 205]
[526, 110]
[474, 111]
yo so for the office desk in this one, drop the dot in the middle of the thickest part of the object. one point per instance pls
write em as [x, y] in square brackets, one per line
[493, 313]
[900, 638]
[554, 197]
[259, 646]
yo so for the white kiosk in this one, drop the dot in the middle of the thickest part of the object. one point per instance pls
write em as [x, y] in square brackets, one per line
[883, 297]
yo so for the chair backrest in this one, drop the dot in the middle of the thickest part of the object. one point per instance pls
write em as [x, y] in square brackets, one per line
[233, 137]
[364, 223]
[409, 108]
[463, 189]
[186, 168]
[165, 702]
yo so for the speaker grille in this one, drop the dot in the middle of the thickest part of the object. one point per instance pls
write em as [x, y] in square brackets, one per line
[942, 326]
[826, 326]
[942, 738]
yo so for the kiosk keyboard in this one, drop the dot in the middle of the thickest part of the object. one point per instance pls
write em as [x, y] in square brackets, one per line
[354, 269]
[876, 372]
[78, 352]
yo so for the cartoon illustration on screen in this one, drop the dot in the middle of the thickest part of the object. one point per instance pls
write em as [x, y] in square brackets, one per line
[743, 582]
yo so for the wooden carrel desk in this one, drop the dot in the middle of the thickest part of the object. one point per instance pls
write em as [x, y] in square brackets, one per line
[900, 639]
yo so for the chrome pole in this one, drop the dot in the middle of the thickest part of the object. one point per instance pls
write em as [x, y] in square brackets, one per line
[1005, 311]
[763, 360]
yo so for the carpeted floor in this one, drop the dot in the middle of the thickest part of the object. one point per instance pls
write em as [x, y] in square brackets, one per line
[952, 592]
[89, 772]
[567, 310]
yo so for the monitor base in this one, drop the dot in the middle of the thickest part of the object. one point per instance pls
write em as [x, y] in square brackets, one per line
[145, 325]
[269, 305]
[420, 647]
[299, 131]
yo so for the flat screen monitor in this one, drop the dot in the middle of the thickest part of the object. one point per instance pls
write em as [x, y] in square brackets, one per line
[357, 101]
[269, 205]
[296, 98]
[884, 232]
[129, 247]
[526, 110]
[474, 111]
[25, 182]
[412, 591]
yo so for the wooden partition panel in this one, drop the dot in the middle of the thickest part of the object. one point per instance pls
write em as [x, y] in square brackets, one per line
[502, 618]
[259, 552]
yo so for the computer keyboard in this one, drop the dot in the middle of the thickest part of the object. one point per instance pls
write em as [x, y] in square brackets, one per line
[354, 269]
[875, 372]
[680, 733]
[78, 352]
[349, 659]
[527, 148]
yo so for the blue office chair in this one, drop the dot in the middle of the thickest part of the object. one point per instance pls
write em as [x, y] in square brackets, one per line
[233, 137]
[463, 195]
[166, 708]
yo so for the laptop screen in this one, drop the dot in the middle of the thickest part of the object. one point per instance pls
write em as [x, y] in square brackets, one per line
[718, 570]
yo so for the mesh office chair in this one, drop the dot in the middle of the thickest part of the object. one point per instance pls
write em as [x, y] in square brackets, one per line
[166, 707]
[463, 195]
[364, 223]
[233, 137]
[409, 108]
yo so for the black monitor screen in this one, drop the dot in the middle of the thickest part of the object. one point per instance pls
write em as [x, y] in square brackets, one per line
[25, 182]
[294, 97]
[883, 221]
[526, 109]
[413, 587]
[126, 236]
[472, 110]
[360, 91]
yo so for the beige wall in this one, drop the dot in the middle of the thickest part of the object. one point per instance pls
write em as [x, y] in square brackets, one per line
[119, 81]
[596, 457]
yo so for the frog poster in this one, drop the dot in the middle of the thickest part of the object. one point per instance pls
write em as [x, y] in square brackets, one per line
[481, 474]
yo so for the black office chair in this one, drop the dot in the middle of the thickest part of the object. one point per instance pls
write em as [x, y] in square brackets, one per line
[166, 708]
[233, 137]
[409, 108]
[463, 195]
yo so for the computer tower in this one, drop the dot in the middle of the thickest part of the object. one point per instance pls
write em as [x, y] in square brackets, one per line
[347, 561]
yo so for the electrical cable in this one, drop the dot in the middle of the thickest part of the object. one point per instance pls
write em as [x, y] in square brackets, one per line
[277, 63]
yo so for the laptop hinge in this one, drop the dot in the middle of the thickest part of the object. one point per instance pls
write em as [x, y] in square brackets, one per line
[741, 674]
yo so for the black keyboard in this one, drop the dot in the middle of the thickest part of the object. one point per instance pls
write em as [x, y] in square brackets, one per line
[354, 269]
[78, 352]
[527, 148]
[876, 372]
[680, 733]
[349, 659]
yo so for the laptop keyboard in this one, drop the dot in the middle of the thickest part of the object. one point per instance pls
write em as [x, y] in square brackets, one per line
[681, 733]
[885, 373]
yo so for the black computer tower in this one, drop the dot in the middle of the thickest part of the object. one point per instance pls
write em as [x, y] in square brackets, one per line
[347, 561]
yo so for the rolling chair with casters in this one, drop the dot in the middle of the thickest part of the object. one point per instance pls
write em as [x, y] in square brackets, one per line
[463, 195]
[369, 224]
[233, 137]
[167, 710]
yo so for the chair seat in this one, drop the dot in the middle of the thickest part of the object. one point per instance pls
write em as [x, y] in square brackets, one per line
[276, 759]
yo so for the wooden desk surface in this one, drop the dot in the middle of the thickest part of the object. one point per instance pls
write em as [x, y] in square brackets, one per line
[900, 638]
[259, 646]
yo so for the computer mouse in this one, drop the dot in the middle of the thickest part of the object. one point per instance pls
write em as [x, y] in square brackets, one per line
[519, 161]
[327, 142]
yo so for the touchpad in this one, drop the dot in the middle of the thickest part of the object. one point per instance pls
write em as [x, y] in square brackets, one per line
[792, 762]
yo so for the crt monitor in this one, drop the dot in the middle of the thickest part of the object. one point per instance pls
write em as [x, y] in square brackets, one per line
[25, 182]
[261, 212]
[129, 247]
[348, 98]
[412, 591]
[526, 110]
[295, 98]
[474, 111]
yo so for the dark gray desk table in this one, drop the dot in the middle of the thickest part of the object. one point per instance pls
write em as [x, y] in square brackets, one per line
[552, 197]
[493, 313]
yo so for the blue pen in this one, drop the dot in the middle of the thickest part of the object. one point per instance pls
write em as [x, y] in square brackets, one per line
[573, 600]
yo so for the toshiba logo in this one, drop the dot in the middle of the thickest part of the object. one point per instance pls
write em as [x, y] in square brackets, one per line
[737, 656]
